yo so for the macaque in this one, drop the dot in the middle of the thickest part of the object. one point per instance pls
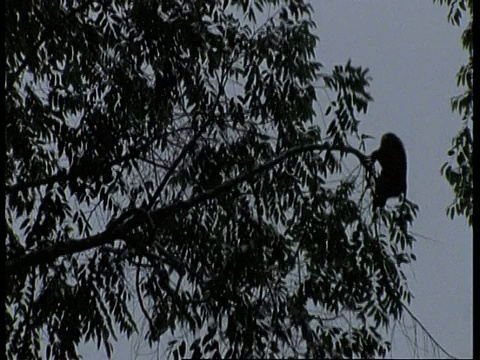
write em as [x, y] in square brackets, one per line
[392, 181]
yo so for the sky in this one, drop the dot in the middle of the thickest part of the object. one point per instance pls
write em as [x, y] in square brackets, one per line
[413, 54]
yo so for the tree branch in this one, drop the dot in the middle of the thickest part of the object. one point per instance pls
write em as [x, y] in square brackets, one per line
[74, 172]
[177, 161]
[112, 233]
[229, 184]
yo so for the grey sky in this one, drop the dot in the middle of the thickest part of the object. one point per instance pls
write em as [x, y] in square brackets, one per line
[413, 54]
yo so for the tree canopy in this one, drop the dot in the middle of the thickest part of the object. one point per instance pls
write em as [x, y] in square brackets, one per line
[193, 160]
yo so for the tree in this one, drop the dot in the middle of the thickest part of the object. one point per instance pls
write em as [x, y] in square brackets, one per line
[165, 155]
[459, 169]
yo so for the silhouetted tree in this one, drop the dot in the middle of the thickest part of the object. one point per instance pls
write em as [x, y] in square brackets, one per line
[165, 155]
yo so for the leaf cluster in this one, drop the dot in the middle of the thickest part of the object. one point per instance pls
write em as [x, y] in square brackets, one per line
[459, 169]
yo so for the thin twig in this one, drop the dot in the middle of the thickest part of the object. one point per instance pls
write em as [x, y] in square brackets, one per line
[430, 336]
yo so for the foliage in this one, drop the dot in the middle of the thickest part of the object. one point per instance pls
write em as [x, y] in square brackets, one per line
[459, 170]
[164, 155]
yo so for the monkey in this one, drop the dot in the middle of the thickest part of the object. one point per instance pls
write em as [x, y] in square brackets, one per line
[392, 181]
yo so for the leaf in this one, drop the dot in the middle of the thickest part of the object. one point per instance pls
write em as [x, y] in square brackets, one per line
[182, 349]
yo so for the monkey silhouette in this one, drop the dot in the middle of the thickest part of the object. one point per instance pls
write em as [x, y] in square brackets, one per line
[392, 180]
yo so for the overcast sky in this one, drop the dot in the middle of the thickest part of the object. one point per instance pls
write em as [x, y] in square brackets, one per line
[413, 54]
